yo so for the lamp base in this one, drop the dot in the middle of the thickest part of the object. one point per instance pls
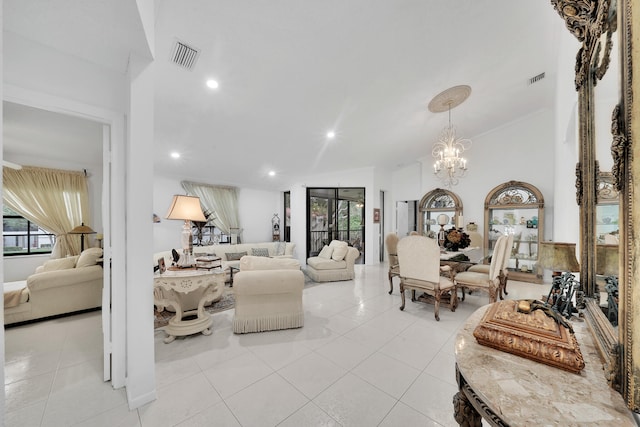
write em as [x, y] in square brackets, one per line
[186, 260]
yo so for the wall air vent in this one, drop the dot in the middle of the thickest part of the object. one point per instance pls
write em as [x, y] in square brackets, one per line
[184, 55]
[536, 79]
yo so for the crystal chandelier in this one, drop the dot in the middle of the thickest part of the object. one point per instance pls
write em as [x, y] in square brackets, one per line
[449, 165]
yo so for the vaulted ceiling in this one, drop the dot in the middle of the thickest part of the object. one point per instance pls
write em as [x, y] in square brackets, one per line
[289, 71]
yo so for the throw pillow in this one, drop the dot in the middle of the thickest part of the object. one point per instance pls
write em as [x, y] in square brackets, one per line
[59, 264]
[339, 253]
[326, 252]
[235, 256]
[280, 248]
[260, 252]
[89, 257]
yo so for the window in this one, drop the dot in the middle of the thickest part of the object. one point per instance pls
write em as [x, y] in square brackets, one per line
[22, 237]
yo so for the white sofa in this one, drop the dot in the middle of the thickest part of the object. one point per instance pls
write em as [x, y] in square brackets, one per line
[274, 249]
[334, 263]
[268, 293]
[59, 286]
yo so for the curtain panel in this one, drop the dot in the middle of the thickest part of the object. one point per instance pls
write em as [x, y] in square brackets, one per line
[56, 200]
[221, 201]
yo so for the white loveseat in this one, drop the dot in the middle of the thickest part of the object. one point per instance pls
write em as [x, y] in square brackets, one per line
[334, 263]
[59, 286]
[268, 293]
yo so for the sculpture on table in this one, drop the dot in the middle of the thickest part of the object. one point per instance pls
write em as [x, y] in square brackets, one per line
[456, 239]
[275, 227]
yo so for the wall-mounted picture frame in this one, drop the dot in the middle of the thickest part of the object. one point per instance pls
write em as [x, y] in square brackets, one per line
[376, 215]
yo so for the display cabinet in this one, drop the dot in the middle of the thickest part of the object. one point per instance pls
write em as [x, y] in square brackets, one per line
[516, 208]
[438, 202]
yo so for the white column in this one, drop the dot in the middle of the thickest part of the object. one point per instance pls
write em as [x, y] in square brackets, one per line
[139, 235]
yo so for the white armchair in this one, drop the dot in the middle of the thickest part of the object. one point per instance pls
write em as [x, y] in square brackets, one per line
[490, 283]
[419, 262]
[268, 294]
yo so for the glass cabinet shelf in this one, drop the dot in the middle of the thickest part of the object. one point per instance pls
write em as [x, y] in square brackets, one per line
[516, 208]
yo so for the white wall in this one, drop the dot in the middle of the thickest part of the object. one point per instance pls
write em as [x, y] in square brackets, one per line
[493, 161]
[44, 70]
[256, 208]
[364, 177]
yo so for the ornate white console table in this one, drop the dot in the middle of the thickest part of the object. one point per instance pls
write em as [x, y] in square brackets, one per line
[179, 283]
[506, 389]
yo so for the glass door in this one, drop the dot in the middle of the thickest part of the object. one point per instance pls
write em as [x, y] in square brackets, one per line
[335, 214]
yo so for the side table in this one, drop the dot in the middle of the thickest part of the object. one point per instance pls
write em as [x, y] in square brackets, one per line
[231, 271]
[177, 284]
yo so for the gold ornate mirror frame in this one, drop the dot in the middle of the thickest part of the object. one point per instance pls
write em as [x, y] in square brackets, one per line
[593, 23]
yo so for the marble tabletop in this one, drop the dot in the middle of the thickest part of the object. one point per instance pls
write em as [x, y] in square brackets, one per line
[523, 392]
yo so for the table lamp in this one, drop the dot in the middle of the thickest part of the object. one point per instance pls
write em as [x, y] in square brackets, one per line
[443, 220]
[186, 208]
[607, 260]
[560, 258]
[82, 230]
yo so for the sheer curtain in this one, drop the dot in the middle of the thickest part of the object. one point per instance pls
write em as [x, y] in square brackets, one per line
[56, 200]
[221, 201]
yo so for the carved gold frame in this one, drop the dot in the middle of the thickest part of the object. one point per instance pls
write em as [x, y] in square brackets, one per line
[589, 20]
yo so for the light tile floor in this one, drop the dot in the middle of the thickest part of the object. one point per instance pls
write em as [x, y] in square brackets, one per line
[358, 361]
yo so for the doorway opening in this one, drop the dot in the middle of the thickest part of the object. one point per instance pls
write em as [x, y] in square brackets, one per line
[335, 214]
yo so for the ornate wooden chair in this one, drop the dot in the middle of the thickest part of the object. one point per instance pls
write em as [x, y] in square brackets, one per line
[475, 280]
[419, 264]
[391, 243]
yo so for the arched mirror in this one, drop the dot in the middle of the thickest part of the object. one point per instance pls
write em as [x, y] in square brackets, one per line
[434, 204]
[606, 95]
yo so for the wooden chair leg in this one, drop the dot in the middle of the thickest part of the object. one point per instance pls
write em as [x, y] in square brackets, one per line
[402, 295]
[502, 285]
[436, 298]
[390, 283]
[493, 294]
[454, 299]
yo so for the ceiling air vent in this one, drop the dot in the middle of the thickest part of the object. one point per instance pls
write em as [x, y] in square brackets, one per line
[184, 55]
[536, 79]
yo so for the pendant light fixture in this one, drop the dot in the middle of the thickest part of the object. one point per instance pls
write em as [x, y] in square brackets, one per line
[449, 165]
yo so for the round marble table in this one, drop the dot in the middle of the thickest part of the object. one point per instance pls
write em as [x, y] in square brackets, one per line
[177, 284]
[506, 389]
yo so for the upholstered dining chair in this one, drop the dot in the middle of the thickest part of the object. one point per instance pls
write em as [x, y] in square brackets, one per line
[419, 264]
[391, 243]
[490, 283]
[504, 271]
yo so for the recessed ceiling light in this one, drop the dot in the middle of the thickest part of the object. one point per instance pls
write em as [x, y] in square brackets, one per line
[212, 84]
[175, 155]
[331, 134]
[272, 173]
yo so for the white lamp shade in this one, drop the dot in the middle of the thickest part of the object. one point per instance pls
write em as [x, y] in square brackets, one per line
[443, 219]
[187, 208]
